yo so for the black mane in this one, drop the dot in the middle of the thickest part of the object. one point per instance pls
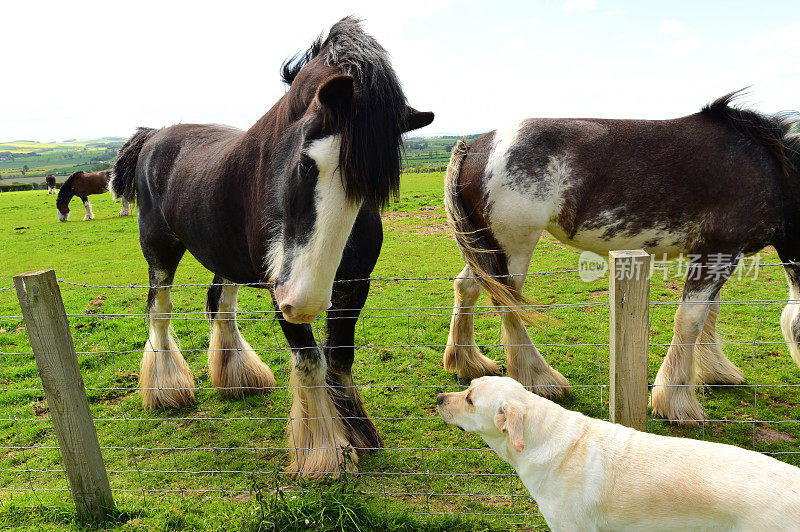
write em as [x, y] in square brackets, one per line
[775, 132]
[291, 67]
[371, 129]
[65, 193]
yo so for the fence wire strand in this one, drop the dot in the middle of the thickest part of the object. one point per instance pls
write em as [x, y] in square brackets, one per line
[217, 446]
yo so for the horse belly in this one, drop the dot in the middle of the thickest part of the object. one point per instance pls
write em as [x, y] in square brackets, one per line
[660, 242]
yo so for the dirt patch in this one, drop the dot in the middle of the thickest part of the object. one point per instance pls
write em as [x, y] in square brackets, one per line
[40, 410]
[769, 435]
[436, 215]
[425, 213]
[96, 305]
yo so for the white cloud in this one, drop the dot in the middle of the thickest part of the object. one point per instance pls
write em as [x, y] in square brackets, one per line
[578, 6]
[778, 38]
[673, 27]
[681, 40]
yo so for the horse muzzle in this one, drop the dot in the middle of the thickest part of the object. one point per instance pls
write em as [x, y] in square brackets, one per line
[296, 309]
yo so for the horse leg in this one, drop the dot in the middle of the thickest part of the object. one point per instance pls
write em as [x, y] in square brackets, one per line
[126, 208]
[673, 395]
[316, 436]
[235, 369]
[348, 299]
[88, 207]
[714, 367]
[164, 377]
[790, 317]
[525, 363]
[462, 356]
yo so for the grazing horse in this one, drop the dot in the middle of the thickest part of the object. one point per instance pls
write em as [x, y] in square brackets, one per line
[50, 181]
[293, 201]
[717, 185]
[83, 184]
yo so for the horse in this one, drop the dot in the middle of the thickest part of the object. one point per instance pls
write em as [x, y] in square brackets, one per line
[84, 184]
[717, 185]
[50, 181]
[292, 205]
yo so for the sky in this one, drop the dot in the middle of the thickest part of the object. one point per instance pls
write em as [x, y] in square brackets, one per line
[85, 69]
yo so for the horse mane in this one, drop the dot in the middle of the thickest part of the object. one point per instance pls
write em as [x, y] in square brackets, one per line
[775, 132]
[65, 193]
[372, 127]
[291, 67]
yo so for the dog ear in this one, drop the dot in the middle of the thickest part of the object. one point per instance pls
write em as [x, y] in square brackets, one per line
[509, 419]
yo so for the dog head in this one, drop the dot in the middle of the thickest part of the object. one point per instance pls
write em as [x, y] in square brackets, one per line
[491, 406]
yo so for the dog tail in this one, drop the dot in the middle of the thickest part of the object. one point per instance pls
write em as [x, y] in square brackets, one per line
[488, 263]
[123, 177]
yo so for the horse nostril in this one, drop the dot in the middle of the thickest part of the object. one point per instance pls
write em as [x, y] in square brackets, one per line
[440, 399]
[286, 309]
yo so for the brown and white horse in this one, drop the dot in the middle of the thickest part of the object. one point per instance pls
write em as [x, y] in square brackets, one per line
[84, 184]
[717, 185]
[50, 181]
[293, 200]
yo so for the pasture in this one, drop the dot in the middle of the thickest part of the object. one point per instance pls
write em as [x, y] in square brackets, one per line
[221, 461]
[29, 161]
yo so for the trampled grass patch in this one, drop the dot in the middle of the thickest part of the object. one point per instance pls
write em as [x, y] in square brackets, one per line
[197, 467]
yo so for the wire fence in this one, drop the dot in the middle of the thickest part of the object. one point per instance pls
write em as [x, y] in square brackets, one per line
[220, 446]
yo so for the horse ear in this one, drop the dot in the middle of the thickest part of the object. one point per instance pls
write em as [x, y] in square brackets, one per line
[336, 92]
[509, 419]
[416, 119]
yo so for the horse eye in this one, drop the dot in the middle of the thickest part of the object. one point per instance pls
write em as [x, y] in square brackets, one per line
[308, 169]
[469, 398]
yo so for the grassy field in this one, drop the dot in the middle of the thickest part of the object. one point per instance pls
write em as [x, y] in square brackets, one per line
[218, 464]
[422, 154]
[28, 161]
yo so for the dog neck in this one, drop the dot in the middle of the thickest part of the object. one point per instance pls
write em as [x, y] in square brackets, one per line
[549, 432]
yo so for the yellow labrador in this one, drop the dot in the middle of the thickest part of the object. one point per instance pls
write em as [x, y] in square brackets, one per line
[588, 474]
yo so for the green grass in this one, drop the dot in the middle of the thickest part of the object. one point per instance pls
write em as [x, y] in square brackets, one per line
[221, 448]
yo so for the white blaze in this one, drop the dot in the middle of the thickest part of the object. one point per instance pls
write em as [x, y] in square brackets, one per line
[310, 282]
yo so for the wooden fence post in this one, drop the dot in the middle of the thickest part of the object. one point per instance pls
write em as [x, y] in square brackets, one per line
[629, 295]
[51, 342]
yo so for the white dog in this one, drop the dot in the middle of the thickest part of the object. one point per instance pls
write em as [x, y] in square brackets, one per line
[587, 474]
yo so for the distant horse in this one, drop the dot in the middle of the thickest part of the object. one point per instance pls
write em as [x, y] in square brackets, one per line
[84, 184]
[50, 180]
[294, 201]
[717, 185]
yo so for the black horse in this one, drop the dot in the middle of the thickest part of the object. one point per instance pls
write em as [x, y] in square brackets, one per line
[294, 201]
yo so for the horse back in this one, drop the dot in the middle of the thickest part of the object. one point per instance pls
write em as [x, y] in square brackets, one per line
[193, 186]
[666, 185]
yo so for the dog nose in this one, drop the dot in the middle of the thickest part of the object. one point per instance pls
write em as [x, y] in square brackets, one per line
[440, 399]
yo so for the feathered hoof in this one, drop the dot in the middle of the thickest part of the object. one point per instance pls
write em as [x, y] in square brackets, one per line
[236, 370]
[165, 379]
[550, 384]
[678, 404]
[315, 464]
[467, 362]
[721, 373]
[316, 436]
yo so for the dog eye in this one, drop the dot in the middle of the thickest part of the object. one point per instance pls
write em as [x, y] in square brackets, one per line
[469, 399]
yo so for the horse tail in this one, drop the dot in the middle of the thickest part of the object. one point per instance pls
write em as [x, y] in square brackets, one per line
[488, 264]
[123, 177]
